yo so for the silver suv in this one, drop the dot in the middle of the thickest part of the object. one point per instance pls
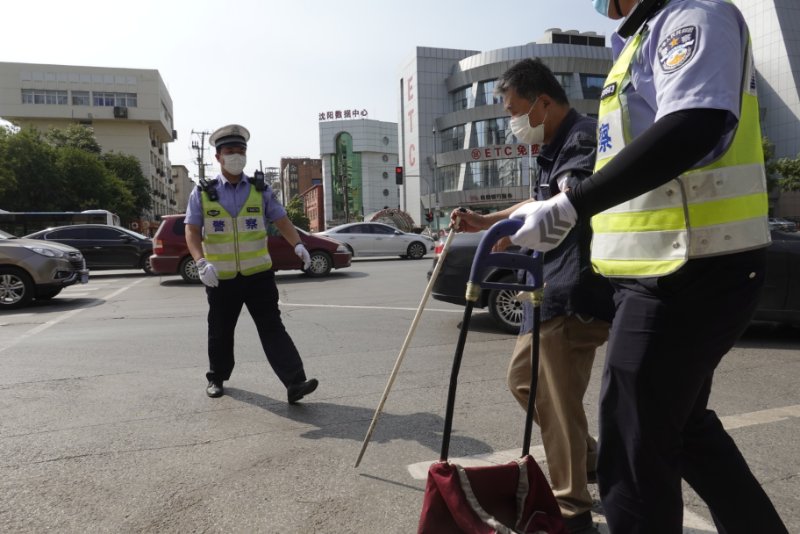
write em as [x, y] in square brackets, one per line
[31, 269]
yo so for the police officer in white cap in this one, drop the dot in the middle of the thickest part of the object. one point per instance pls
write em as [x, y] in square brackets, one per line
[226, 222]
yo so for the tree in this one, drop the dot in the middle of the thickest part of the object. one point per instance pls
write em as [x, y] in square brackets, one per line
[91, 184]
[789, 171]
[128, 169]
[30, 180]
[296, 214]
[76, 136]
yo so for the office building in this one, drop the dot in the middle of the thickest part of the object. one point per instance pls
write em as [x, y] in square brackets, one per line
[129, 110]
[455, 143]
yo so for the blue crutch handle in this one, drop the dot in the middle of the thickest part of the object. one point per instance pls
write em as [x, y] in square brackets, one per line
[485, 259]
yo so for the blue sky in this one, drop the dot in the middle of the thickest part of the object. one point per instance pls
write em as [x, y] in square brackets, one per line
[274, 65]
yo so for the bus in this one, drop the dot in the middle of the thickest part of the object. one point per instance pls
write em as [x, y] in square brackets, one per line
[22, 223]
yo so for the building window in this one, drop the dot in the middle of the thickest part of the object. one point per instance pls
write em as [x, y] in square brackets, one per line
[489, 132]
[463, 99]
[81, 98]
[44, 96]
[127, 100]
[592, 85]
[486, 96]
[452, 139]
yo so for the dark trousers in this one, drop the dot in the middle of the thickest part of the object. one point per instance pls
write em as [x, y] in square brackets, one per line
[260, 294]
[668, 336]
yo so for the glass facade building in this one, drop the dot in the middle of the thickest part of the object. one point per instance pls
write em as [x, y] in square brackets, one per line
[454, 138]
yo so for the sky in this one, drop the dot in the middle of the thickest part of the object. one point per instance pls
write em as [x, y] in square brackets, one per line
[273, 66]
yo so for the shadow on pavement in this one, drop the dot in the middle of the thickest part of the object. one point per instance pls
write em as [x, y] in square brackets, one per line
[351, 423]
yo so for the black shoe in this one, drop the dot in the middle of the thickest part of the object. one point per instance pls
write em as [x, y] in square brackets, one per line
[214, 389]
[581, 524]
[298, 391]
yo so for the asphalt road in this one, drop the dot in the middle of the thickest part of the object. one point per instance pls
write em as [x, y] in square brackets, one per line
[105, 425]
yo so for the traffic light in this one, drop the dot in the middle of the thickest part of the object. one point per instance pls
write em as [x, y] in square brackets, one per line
[429, 216]
[398, 175]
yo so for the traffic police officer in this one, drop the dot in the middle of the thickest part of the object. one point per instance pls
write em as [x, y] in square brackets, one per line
[679, 208]
[226, 222]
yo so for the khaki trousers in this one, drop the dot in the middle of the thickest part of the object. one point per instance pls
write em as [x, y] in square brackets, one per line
[567, 346]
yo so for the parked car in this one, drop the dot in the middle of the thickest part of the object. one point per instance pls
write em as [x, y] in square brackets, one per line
[378, 239]
[171, 255]
[31, 269]
[451, 283]
[780, 299]
[103, 246]
[784, 225]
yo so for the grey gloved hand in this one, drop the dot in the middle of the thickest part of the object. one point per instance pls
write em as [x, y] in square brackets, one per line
[302, 253]
[546, 224]
[207, 272]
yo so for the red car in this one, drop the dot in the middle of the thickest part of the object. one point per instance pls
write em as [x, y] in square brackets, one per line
[171, 255]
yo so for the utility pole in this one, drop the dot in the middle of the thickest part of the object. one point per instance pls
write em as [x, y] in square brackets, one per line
[200, 149]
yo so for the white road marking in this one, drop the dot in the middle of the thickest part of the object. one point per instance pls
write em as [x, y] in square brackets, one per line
[365, 307]
[44, 326]
[692, 522]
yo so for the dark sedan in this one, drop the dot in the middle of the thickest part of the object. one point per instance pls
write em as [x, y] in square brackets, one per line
[103, 246]
[780, 300]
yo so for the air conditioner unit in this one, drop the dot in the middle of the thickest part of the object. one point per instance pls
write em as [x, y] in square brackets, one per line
[120, 112]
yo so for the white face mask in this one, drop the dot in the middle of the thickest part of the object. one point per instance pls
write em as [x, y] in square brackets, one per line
[524, 132]
[234, 163]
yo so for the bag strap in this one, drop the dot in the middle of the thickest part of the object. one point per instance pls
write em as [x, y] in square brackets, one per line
[483, 260]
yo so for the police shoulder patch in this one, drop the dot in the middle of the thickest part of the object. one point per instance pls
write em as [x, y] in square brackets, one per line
[677, 49]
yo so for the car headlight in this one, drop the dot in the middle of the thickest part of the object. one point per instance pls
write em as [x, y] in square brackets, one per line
[342, 248]
[46, 251]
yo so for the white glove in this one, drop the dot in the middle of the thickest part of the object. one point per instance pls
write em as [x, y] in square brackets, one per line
[546, 224]
[302, 253]
[207, 272]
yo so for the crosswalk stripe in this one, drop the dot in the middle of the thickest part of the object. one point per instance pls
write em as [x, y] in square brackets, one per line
[693, 523]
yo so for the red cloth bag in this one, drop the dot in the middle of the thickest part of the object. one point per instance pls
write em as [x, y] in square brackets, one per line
[513, 497]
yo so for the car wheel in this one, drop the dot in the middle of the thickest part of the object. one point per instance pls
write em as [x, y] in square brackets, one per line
[505, 309]
[47, 294]
[16, 288]
[146, 266]
[320, 264]
[188, 270]
[416, 250]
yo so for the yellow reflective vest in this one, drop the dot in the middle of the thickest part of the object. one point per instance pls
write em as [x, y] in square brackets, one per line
[718, 208]
[236, 244]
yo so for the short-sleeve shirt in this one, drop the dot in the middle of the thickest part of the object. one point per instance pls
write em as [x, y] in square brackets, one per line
[232, 197]
[692, 57]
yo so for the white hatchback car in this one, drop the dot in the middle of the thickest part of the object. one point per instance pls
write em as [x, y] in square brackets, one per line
[378, 239]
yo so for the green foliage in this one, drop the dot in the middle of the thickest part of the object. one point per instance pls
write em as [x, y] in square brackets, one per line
[75, 135]
[296, 214]
[128, 169]
[789, 170]
[64, 170]
[783, 173]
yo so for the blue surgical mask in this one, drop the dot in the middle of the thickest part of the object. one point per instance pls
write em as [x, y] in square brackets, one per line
[601, 6]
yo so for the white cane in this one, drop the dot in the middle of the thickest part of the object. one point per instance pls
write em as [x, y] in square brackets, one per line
[411, 330]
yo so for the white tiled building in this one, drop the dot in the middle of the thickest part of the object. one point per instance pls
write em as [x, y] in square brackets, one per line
[365, 151]
[130, 111]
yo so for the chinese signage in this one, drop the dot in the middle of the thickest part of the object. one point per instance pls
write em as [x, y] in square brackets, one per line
[502, 151]
[343, 114]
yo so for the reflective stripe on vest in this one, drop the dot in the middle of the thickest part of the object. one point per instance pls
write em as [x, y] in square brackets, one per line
[236, 244]
[719, 208]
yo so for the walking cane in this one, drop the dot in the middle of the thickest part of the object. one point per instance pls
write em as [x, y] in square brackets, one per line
[411, 330]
